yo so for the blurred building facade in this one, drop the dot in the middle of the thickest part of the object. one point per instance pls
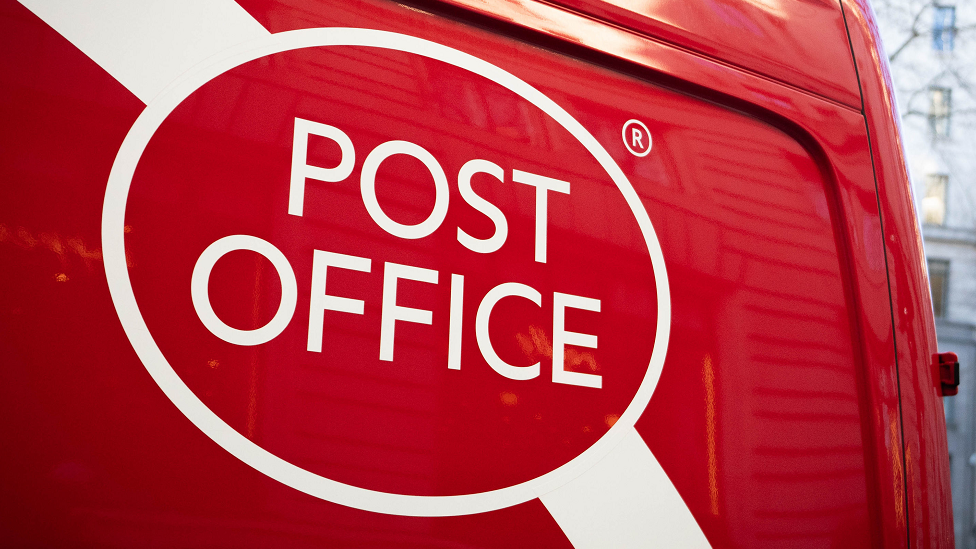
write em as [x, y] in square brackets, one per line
[932, 50]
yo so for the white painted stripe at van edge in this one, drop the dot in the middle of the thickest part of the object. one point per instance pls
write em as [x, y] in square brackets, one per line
[624, 500]
[146, 44]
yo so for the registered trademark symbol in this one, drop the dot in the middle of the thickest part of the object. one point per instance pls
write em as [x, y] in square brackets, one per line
[637, 138]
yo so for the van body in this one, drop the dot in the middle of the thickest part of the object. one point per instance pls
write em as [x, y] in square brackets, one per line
[456, 273]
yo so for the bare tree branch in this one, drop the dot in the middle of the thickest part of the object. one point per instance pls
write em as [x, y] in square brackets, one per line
[915, 32]
[908, 24]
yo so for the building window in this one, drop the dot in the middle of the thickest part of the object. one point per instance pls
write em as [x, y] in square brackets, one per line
[934, 201]
[940, 111]
[943, 28]
[939, 281]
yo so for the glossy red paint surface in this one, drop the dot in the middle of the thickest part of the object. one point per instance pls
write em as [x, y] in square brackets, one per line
[926, 459]
[811, 42]
[776, 416]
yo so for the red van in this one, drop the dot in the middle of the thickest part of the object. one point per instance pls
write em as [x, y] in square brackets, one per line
[459, 274]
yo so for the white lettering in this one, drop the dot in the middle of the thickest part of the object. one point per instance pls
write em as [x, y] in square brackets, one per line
[368, 189]
[492, 244]
[299, 161]
[542, 185]
[200, 291]
[391, 312]
[320, 301]
[561, 337]
[481, 329]
[637, 138]
[456, 319]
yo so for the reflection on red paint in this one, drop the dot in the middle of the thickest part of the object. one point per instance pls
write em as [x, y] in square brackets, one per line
[776, 415]
[709, 374]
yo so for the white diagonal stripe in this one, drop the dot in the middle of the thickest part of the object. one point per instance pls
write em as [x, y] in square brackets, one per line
[625, 500]
[146, 44]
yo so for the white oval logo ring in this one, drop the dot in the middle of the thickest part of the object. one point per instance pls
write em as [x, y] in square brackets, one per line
[113, 243]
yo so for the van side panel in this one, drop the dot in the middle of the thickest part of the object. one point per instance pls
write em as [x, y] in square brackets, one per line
[776, 416]
[859, 214]
[810, 50]
[926, 460]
